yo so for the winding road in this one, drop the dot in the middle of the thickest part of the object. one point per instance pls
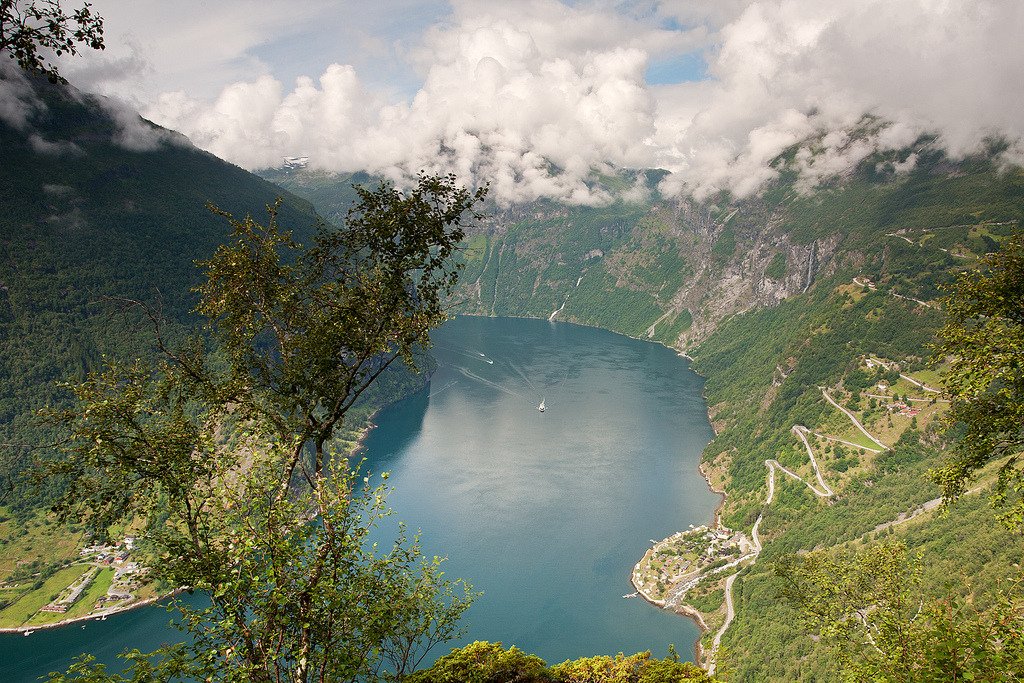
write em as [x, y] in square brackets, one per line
[845, 442]
[853, 419]
[822, 490]
[826, 491]
[920, 384]
[730, 613]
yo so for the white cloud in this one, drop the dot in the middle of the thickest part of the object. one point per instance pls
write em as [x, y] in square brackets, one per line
[531, 99]
[56, 148]
[534, 95]
[155, 46]
[787, 69]
[17, 101]
[131, 132]
[21, 108]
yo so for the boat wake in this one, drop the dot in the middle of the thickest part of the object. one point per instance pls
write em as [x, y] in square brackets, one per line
[483, 380]
[446, 386]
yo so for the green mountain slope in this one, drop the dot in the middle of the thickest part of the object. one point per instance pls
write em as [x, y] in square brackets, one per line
[86, 218]
[100, 205]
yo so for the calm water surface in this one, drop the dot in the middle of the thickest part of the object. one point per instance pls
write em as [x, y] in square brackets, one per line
[546, 513]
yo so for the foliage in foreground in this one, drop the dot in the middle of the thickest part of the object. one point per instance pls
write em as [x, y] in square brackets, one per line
[868, 608]
[983, 339]
[484, 662]
[225, 450]
[30, 30]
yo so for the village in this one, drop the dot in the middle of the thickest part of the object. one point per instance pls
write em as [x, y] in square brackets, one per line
[106, 566]
[676, 564]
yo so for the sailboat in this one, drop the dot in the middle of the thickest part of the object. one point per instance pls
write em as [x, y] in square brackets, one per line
[541, 407]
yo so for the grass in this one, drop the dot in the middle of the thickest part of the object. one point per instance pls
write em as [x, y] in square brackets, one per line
[838, 425]
[879, 425]
[474, 256]
[854, 435]
[930, 377]
[40, 539]
[85, 604]
[29, 604]
[707, 602]
[854, 292]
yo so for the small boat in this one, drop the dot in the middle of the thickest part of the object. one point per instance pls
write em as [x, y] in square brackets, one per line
[541, 407]
[632, 595]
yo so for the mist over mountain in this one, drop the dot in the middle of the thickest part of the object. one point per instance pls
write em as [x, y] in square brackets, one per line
[533, 97]
[98, 203]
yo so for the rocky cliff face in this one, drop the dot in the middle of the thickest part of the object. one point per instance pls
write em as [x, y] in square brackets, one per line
[673, 270]
[744, 284]
[677, 268]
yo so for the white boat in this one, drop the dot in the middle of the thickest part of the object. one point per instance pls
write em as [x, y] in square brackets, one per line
[541, 407]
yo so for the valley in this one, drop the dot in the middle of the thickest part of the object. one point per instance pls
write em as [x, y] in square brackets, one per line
[810, 314]
[496, 487]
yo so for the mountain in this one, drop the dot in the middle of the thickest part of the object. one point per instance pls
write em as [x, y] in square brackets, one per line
[99, 203]
[806, 308]
[100, 206]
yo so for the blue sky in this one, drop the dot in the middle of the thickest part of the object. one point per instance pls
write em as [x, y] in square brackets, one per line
[689, 66]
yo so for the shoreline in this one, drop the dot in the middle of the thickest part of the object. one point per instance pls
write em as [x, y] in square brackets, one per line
[684, 611]
[94, 616]
[364, 433]
[357, 446]
[687, 611]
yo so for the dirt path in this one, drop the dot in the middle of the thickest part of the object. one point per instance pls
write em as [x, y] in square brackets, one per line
[910, 298]
[844, 441]
[920, 384]
[822, 490]
[826, 491]
[650, 330]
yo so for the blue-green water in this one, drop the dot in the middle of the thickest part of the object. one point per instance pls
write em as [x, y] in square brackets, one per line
[544, 512]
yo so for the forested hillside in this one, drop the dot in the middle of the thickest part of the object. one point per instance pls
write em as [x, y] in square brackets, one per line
[97, 208]
[89, 214]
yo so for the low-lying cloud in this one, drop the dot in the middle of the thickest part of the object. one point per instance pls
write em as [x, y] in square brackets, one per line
[535, 96]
